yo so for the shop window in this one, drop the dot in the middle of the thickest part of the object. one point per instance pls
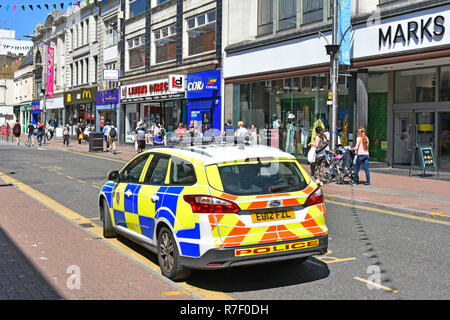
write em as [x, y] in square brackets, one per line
[265, 16]
[136, 7]
[202, 33]
[412, 86]
[136, 52]
[312, 10]
[444, 88]
[287, 14]
[165, 44]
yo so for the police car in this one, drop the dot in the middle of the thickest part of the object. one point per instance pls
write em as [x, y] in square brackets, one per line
[215, 207]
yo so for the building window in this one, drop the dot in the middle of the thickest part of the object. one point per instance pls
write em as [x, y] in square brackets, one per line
[415, 85]
[86, 26]
[202, 33]
[287, 14]
[95, 68]
[137, 7]
[265, 16]
[312, 10]
[158, 2]
[444, 88]
[111, 33]
[165, 43]
[136, 52]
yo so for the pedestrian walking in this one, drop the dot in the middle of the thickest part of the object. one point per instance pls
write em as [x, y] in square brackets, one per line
[66, 135]
[80, 132]
[320, 143]
[112, 137]
[158, 140]
[362, 156]
[30, 139]
[253, 134]
[140, 136]
[241, 133]
[105, 135]
[229, 129]
[17, 129]
[86, 133]
[40, 133]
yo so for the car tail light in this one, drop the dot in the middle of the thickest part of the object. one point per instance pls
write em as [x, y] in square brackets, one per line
[209, 204]
[315, 198]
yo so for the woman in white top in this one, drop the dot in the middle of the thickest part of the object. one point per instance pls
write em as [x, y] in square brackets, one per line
[253, 135]
[362, 156]
[241, 132]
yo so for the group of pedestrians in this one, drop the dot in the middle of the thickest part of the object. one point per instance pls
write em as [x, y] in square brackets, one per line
[37, 133]
[241, 133]
[361, 148]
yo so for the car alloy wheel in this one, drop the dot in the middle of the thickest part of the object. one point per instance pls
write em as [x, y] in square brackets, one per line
[169, 258]
[166, 249]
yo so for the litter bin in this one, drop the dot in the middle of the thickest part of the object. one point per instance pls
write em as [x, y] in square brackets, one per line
[96, 142]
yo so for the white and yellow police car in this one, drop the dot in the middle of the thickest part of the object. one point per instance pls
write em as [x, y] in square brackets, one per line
[214, 207]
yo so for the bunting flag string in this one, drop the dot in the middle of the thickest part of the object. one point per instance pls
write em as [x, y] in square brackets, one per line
[47, 5]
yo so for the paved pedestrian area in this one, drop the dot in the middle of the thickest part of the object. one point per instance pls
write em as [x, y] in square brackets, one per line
[19, 278]
[45, 256]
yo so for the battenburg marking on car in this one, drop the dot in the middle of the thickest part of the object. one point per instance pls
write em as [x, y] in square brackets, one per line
[211, 207]
[276, 248]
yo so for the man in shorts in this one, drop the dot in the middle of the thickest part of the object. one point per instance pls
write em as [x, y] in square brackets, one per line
[140, 136]
[112, 137]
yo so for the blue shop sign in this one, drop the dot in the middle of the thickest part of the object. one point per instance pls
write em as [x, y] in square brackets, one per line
[107, 97]
[35, 107]
[203, 85]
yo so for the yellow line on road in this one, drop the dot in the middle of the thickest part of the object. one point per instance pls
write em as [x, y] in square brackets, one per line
[375, 284]
[403, 215]
[94, 156]
[97, 232]
[175, 293]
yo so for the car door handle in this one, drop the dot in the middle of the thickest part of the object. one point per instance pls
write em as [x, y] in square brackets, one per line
[154, 198]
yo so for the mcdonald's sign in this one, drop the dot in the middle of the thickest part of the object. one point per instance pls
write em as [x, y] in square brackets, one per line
[87, 94]
[80, 96]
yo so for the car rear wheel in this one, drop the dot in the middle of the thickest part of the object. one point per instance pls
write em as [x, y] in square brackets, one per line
[169, 258]
[108, 229]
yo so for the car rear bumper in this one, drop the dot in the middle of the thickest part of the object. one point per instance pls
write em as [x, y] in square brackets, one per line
[227, 257]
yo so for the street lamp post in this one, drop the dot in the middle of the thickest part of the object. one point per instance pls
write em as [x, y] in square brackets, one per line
[334, 59]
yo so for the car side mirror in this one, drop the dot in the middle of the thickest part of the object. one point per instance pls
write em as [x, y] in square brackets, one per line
[114, 176]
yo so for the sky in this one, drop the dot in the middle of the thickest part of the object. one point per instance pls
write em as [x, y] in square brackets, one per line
[25, 21]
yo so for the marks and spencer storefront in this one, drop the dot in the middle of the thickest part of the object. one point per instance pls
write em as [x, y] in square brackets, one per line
[157, 102]
[397, 86]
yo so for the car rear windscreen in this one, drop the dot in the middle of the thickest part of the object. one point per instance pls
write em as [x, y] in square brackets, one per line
[261, 178]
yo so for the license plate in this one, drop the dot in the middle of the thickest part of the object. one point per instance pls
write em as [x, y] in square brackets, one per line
[273, 215]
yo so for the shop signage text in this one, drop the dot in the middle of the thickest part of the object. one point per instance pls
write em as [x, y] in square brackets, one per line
[431, 28]
[80, 96]
[107, 97]
[203, 85]
[172, 87]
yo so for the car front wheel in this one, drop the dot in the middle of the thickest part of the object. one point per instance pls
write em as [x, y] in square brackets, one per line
[108, 229]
